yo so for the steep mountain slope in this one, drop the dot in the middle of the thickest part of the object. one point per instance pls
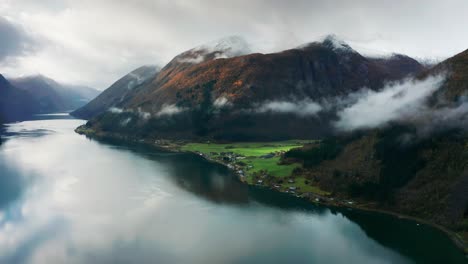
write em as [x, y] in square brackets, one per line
[457, 67]
[117, 93]
[250, 96]
[15, 104]
[53, 96]
[224, 48]
[314, 71]
[404, 167]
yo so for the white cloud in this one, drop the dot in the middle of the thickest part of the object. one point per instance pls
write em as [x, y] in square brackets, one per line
[115, 110]
[223, 48]
[397, 101]
[143, 114]
[221, 102]
[301, 108]
[96, 42]
[125, 121]
[193, 60]
[169, 110]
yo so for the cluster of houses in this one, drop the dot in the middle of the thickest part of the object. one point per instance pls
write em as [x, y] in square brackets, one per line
[232, 160]
[263, 178]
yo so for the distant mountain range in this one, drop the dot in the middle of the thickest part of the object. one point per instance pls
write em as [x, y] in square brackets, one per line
[20, 98]
[15, 104]
[220, 91]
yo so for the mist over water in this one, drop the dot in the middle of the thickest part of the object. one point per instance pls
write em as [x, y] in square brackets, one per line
[68, 199]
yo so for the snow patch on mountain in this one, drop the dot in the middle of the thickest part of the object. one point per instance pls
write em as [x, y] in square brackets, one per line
[228, 47]
[332, 42]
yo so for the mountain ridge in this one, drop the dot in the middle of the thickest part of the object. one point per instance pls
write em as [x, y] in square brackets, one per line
[20, 98]
[117, 92]
[195, 90]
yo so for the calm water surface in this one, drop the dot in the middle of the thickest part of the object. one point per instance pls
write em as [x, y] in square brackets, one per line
[67, 199]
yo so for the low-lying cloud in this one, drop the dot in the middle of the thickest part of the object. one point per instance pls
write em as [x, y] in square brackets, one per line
[169, 110]
[140, 113]
[442, 118]
[397, 101]
[305, 107]
[221, 102]
[197, 58]
[125, 121]
[116, 110]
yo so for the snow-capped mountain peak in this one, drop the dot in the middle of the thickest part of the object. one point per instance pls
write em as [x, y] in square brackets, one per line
[336, 43]
[231, 46]
[331, 41]
[227, 47]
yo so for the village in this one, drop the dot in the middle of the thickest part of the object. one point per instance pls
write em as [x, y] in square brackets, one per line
[260, 164]
[244, 167]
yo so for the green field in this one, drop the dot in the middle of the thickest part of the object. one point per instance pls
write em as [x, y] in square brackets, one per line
[271, 166]
[252, 151]
[249, 159]
[303, 187]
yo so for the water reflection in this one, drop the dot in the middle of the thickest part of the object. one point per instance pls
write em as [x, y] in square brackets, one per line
[79, 201]
[11, 184]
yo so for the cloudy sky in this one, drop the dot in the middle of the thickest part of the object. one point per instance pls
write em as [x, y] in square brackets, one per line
[94, 42]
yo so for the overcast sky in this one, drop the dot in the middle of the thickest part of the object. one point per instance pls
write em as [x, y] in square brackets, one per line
[94, 42]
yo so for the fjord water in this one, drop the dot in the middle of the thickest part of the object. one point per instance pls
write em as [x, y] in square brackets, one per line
[68, 199]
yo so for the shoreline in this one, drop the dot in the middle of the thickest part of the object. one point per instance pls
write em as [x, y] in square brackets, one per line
[339, 204]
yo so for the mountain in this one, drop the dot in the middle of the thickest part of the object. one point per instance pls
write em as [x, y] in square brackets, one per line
[457, 67]
[231, 96]
[116, 94]
[15, 104]
[53, 96]
[316, 70]
[416, 163]
[405, 167]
